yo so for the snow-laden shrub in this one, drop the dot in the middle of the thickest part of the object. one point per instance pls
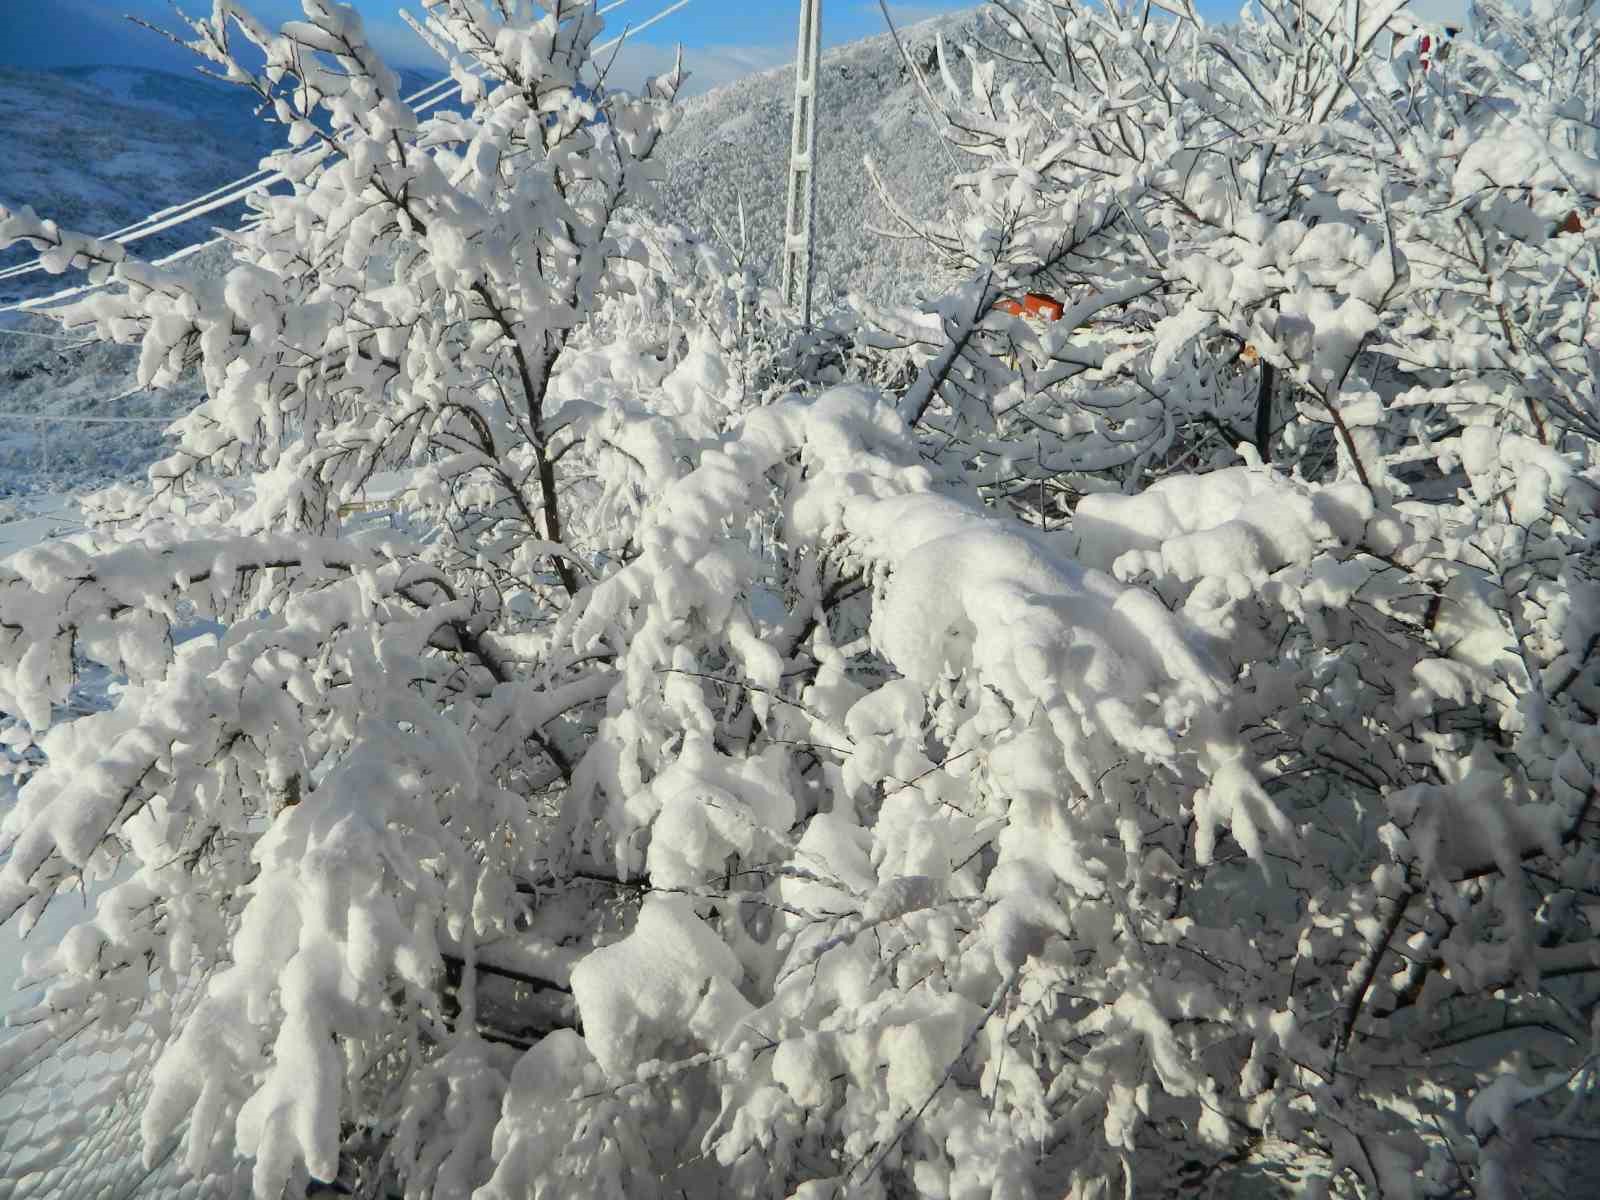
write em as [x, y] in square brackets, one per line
[1266, 234]
[1270, 238]
[704, 789]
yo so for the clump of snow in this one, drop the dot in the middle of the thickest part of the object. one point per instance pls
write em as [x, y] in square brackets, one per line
[670, 977]
[1241, 523]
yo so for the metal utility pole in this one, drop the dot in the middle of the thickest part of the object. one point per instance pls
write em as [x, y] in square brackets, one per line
[798, 235]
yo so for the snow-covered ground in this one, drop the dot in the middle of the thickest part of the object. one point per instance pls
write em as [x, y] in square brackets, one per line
[32, 520]
[71, 414]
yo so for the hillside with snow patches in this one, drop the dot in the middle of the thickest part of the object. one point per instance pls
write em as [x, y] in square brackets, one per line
[97, 149]
[731, 145]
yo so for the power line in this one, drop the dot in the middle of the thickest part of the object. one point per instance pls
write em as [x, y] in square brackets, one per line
[49, 337]
[44, 419]
[40, 302]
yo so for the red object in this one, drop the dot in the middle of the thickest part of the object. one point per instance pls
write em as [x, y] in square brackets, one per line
[1036, 305]
[1571, 225]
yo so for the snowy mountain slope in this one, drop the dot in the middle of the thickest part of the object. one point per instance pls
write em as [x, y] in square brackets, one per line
[92, 438]
[100, 147]
[733, 143]
[97, 148]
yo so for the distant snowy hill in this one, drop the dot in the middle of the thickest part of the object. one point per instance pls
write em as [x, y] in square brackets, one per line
[733, 144]
[97, 148]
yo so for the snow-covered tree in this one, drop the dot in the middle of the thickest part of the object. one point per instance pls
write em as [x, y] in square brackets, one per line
[1129, 755]
[1385, 283]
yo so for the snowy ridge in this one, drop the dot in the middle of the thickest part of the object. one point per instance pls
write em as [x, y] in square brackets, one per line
[731, 146]
[98, 148]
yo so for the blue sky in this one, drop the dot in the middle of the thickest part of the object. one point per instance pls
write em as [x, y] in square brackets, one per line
[769, 22]
[732, 36]
[69, 32]
[723, 39]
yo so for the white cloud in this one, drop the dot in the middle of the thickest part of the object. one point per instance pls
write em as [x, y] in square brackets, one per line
[909, 14]
[1439, 12]
[708, 66]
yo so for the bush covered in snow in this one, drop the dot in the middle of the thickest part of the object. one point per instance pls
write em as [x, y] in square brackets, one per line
[1122, 754]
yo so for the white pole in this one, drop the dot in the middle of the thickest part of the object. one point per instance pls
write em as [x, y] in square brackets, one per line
[799, 238]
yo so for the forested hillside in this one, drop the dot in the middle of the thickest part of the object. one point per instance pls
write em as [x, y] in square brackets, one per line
[730, 148]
